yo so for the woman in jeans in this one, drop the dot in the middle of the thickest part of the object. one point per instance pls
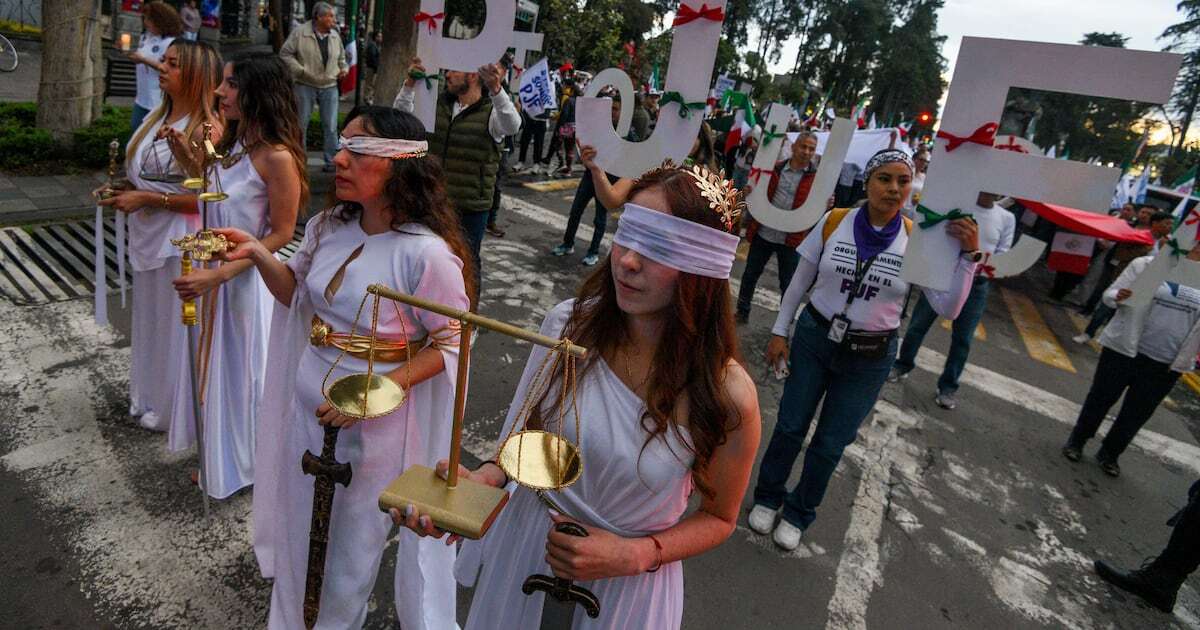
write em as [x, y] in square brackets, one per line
[845, 340]
[1145, 352]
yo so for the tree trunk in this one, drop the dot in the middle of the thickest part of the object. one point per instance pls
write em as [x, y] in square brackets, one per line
[279, 25]
[399, 47]
[67, 92]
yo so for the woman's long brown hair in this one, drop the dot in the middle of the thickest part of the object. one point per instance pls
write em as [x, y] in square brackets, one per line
[266, 98]
[697, 343]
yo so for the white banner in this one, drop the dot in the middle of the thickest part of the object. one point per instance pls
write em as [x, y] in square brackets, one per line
[537, 91]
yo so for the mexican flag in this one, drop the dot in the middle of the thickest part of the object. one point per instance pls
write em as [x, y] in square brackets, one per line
[1186, 183]
[743, 117]
[904, 128]
[860, 114]
[1071, 253]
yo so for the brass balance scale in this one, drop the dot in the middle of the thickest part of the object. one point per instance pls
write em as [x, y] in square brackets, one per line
[537, 459]
[201, 248]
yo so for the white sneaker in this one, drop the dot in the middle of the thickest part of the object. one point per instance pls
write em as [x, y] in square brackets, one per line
[787, 535]
[762, 519]
[1081, 338]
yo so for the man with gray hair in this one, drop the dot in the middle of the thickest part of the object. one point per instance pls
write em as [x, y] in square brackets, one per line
[317, 59]
[791, 179]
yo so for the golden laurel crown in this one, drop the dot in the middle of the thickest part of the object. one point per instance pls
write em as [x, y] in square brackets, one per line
[723, 198]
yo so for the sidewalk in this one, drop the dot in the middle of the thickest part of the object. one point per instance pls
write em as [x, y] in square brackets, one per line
[37, 199]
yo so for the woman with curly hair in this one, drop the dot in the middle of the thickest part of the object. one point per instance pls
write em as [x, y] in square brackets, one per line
[664, 407]
[392, 224]
[160, 209]
[263, 172]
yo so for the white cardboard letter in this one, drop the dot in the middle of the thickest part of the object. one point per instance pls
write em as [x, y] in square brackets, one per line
[807, 215]
[983, 74]
[467, 55]
[693, 52]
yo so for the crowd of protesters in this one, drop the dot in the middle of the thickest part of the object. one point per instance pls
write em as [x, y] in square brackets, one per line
[836, 340]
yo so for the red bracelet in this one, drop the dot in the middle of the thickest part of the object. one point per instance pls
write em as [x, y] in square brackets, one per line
[658, 546]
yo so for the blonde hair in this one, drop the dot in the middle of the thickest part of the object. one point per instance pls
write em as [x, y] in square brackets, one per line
[200, 69]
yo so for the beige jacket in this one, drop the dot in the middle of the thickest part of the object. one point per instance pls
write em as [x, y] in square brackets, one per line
[302, 54]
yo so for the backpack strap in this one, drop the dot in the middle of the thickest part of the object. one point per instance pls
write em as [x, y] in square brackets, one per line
[835, 219]
[832, 222]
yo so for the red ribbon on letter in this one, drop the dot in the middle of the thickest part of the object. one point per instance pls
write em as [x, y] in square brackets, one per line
[985, 135]
[756, 173]
[986, 269]
[1193, 217]
[688, 14]
[431, 20]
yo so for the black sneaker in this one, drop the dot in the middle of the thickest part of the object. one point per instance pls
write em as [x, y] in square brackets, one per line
[1072, 452]
[1108, 465]
[1148, 583]
[741, 318]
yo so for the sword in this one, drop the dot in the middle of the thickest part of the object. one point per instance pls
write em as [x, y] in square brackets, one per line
[326, 472]
[562, 590]
[189, 322]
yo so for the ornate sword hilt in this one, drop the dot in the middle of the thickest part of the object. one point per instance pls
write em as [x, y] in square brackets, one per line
[562, 589]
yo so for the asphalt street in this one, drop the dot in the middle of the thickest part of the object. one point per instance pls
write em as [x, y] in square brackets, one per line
[935, 519]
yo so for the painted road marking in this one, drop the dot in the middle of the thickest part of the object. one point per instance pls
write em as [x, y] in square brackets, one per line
[1039, 339]
[1055, 407]
[552, 185]
[980, 331]
[860, 568]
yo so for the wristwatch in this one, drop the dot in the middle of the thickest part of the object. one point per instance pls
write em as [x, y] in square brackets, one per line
[973, 255]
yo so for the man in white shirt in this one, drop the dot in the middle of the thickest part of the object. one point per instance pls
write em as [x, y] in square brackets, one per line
[996, 228]
[466, 138]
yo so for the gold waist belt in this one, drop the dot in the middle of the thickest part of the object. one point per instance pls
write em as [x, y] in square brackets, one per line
[386, 350]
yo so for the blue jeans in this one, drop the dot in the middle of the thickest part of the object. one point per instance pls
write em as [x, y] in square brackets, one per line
[850, 386]
[584, 194]
[961, 333]
[473, 225]
[139, 114]
[1100, 316]
[326, 100]
[761, 251]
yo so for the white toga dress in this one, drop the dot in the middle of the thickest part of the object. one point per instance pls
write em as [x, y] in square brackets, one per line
[413, 261]
[159, 338]
[623, 488]
[238, 352]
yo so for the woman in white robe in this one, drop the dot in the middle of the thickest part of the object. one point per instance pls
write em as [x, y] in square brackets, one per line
[663, 407]
[393, 226]
[158, 212]
[264, 174]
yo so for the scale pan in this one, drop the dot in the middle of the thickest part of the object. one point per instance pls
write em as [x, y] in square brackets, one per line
[547, 461]
[382, 394]
[213, 196]
[193, 183]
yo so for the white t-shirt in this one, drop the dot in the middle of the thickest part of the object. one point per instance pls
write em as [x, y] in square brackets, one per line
[996, 228]
[1173, 312]
[881, 296]
[154, 47]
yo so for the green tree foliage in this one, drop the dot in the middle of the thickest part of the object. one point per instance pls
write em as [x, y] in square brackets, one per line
[847, 36]
[908, 77]
[587, 34]
[1184, 37]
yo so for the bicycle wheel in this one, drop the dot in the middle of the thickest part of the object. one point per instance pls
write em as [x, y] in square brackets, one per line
[8, 55]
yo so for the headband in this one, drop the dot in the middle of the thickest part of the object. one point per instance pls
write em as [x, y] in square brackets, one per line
[677, 243]
[392, 148]
[888, 156]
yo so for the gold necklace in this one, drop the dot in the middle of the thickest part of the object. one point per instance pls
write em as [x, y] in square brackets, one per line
[629, 372]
